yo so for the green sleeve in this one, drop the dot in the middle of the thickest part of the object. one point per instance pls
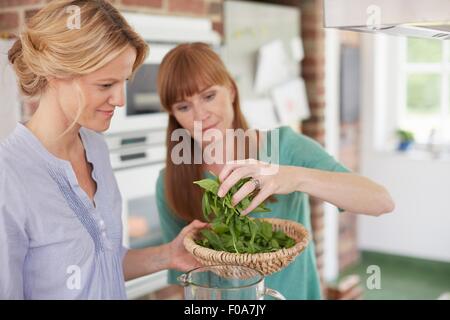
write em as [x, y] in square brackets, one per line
[300, 150]
[171, 225]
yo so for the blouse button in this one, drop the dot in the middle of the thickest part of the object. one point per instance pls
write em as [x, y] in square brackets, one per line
[102, 224]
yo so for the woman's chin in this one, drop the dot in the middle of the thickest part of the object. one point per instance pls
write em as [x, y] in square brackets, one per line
[213, 142]
[98, 126]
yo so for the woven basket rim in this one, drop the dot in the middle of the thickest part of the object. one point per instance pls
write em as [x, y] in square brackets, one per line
[206, 253]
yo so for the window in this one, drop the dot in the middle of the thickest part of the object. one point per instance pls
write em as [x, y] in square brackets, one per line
[425, 89]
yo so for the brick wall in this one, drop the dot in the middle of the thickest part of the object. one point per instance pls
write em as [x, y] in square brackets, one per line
[14, 13]
[313, 71]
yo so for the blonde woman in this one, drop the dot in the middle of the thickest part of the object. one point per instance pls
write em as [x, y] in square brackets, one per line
[196, 88]
[60, 208]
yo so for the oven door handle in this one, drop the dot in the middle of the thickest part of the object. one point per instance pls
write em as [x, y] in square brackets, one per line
[133, 156]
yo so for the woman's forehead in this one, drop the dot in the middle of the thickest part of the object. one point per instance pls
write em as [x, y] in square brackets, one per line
[202, 89]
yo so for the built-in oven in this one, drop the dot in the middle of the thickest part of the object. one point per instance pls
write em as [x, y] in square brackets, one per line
[137, 158]
[142, 109]
[142, 91]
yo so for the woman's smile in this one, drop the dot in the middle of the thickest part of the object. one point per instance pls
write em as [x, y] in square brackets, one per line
[106, 113]
[212, 126]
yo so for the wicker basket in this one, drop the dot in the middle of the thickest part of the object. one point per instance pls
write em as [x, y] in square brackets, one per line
[266, 263]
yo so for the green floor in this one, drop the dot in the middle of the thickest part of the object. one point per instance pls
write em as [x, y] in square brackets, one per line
[402, 277]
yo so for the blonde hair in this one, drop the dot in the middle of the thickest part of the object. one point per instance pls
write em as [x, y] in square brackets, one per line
[49, 47]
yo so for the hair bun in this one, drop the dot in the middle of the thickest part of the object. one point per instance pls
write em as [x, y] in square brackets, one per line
[15, 51]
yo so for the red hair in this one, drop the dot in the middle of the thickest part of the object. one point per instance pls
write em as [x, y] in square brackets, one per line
[186, 70]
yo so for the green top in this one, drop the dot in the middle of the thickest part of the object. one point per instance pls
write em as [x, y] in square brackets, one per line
[300, 279]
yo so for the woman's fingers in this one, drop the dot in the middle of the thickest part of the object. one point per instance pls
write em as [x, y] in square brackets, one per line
[233, 165]
[234, 177]
[257, 200]
[227, 169]
[192, 227]
[245, 190]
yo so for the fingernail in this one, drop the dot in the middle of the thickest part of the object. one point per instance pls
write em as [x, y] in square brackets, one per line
[219, 193]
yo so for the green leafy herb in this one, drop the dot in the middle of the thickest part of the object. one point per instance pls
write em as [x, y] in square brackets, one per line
[232, 232]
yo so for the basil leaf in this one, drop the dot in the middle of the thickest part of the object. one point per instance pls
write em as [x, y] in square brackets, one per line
[220, 228]
[208, 185]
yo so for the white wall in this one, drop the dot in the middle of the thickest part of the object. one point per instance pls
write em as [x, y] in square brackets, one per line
[331, 223]
[420, 224]
[9, 97]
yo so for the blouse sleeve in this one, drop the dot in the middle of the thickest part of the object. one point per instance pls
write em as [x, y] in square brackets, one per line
[13, 241]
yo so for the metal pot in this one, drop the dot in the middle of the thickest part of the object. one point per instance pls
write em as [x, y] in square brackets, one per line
[226, 282]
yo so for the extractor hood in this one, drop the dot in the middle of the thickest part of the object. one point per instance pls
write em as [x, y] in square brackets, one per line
[415, 18]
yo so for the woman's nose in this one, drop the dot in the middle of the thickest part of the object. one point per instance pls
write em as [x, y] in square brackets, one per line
[118, 97]
[200, 113]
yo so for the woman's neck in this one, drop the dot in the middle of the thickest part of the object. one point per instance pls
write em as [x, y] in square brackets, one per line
[49, 125]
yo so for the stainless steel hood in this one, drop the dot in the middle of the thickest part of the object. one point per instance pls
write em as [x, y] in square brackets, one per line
[415, 18]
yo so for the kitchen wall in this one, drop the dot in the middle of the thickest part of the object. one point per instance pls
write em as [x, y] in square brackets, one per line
[9, 112]
[349, 139]
[420, 224]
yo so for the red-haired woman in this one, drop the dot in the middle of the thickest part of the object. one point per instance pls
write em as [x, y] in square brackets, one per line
[200, 96]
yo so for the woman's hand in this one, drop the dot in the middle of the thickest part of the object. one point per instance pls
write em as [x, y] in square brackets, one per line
[348, 191]
[271, 179]
[180, 258]
[172, 255]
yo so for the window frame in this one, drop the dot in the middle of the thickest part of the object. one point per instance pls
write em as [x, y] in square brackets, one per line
[406, 68]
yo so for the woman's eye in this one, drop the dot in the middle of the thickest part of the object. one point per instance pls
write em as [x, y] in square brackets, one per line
[209, 97]
[106, 86]
[182, 108]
